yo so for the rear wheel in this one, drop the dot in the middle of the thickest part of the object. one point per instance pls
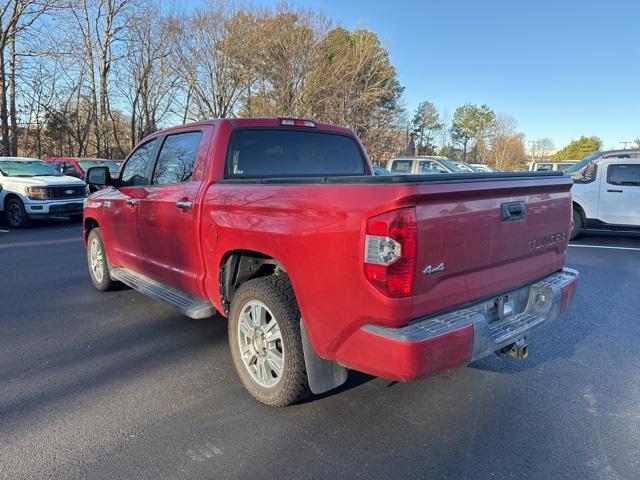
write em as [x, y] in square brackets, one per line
[576, 224]
[15, 214]
[265, 341]
[97, 261]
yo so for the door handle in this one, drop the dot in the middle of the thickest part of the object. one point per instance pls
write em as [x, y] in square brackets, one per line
[615, 191]
[132, 201]
[184, 205]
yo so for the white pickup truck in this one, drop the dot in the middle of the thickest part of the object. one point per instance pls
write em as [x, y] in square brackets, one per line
[606, 196]
[32, 189]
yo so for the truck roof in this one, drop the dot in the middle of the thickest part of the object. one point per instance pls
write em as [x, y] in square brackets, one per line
[258, 122]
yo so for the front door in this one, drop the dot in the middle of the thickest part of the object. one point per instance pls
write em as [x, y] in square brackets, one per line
[120, 208]
[620, 195]
[167, 215]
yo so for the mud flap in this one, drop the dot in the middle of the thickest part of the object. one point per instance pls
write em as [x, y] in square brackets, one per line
[323, 375]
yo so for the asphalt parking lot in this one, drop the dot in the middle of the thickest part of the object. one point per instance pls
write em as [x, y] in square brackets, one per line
[115, 385]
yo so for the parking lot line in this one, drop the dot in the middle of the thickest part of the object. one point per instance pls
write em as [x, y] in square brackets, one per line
[39, 244]
[605, 246]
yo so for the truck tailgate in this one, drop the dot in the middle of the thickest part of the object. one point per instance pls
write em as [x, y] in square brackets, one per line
[482, 241]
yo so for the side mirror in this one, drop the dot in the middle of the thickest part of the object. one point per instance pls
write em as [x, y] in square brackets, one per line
[99, 176]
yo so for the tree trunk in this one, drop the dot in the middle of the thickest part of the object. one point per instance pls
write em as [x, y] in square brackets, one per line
[4, 114]
[12, 97]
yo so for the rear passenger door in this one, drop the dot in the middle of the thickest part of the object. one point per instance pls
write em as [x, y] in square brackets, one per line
[620, 194]
[167, 217]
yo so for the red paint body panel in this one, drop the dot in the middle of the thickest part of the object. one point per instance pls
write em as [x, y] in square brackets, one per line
[316, 232]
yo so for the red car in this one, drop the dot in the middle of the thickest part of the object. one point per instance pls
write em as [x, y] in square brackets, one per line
[321, 266]
[77, 167]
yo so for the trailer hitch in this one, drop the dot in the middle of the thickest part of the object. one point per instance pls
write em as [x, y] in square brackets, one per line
[519, 350]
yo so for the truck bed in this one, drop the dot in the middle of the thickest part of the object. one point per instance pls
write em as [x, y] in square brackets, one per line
[319, 222]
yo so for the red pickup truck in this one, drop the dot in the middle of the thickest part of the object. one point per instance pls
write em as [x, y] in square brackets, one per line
[321, 266]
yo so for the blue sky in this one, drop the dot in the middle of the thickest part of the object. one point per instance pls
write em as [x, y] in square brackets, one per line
[561, 68]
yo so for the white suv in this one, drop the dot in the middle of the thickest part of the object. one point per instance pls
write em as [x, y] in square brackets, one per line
[606, 195]
[32, 189]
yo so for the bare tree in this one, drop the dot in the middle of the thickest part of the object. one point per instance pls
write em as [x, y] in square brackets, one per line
[206, 56]
[152, 84]
[101, 24]
[16, 16]
[506, 145]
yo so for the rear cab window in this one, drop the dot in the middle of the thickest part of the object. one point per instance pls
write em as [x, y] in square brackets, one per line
[620, 174]
[269, 152]
[176, 158]
[402, 166]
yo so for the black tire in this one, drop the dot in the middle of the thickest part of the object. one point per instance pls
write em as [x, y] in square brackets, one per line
[101, 282]
[576, 225]
[276, 293]
[15, 214]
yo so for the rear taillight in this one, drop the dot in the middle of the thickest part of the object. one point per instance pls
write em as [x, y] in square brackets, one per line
[390, 249]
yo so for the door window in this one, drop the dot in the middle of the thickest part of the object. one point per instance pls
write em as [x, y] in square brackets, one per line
[624, 175]
[176, 158]
[429, 166]
[69, 169]
[136, 171]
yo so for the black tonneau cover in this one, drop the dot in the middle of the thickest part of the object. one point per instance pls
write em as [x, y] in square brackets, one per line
[394, 179]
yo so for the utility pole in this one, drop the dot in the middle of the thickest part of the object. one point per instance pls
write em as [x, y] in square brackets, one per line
[625, 144]
[533, 148]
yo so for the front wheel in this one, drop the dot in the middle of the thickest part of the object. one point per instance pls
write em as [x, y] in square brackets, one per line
[97, 261]
[15, 214]
[265, 341]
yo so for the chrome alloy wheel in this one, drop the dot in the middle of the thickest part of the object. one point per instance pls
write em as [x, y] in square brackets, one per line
[96, 259]
[260, 343]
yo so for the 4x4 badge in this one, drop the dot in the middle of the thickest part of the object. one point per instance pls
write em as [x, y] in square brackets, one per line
[431, 269]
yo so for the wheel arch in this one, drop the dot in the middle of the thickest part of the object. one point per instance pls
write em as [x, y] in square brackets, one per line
[238, 266]
[580, 209]
[88, 224]
[8, 196]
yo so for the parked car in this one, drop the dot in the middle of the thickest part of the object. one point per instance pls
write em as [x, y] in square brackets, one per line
[479, 167]
[422, 165]
[606, 196]
[33, 189]
[464, 166]
[321, 266]
[551, 166]
[377, 170]
[77, 167]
